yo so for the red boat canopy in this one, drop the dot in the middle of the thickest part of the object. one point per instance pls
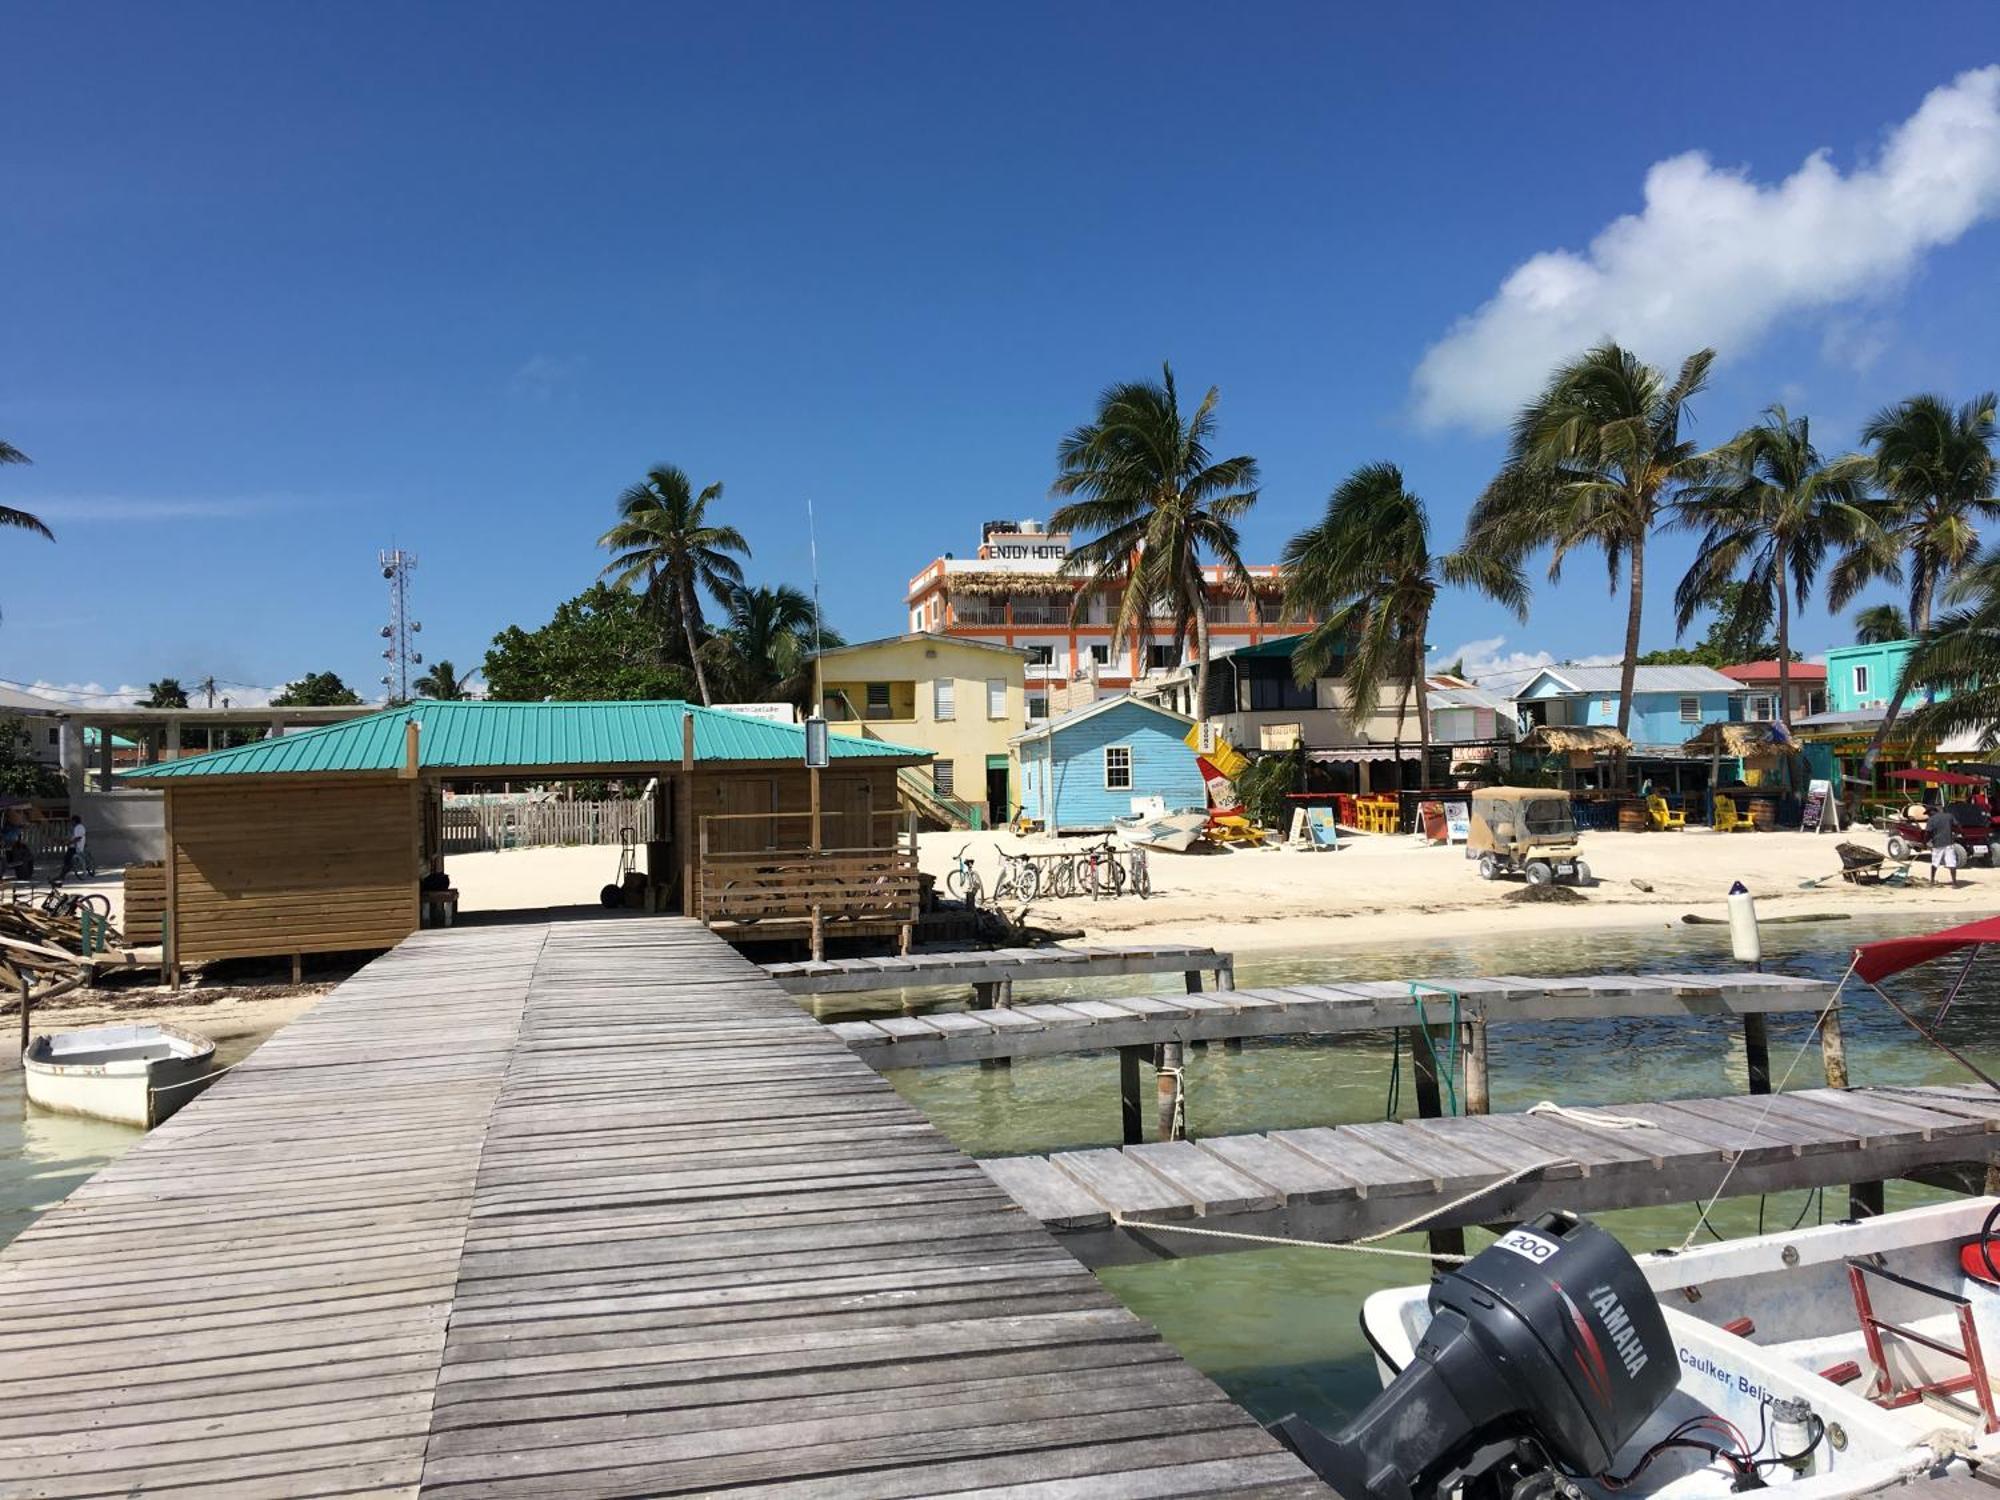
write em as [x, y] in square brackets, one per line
[1938, 778]
[1873, 961]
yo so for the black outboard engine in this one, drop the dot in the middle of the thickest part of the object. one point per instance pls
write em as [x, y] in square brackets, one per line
[1545, 1348]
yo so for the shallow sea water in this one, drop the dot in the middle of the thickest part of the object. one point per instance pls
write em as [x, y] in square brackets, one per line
[1278, 1328]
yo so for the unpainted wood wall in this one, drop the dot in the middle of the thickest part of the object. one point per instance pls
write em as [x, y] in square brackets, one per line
[844, 795]
[273, 868]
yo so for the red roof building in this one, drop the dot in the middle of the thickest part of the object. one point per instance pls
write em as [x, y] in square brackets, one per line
[1761, 677]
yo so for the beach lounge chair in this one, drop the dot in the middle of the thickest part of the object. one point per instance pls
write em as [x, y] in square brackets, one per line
[1728, 820]
[1662, 816]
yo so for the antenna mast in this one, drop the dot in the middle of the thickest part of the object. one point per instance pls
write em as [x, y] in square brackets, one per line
[400, 653]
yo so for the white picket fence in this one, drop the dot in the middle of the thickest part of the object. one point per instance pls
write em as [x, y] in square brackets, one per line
[475, 827]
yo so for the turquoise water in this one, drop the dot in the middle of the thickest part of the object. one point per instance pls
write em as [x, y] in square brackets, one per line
[1277, 1328]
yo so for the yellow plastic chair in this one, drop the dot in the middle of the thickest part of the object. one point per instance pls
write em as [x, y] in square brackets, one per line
[1662, 816]
[1728, 820]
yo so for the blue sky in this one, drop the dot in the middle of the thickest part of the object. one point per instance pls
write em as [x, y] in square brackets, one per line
[280, 285]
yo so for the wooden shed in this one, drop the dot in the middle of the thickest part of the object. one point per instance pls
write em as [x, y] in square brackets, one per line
[316, 842]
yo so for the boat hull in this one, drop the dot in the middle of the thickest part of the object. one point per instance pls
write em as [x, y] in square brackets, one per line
[128, 1075]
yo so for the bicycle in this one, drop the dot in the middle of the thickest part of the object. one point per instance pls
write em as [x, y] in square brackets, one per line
[1142, 875]
[963, 880]
[1020, 877]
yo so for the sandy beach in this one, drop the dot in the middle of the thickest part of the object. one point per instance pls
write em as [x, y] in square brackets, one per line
[1380, 889]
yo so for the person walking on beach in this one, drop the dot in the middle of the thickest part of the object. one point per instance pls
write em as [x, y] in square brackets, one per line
[1944, 843]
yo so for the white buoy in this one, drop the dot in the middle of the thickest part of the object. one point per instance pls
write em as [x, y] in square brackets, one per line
[1745, 942]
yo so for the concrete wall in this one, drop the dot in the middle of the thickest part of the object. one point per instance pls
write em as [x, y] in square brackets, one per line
[1884, 666]
[124, 827]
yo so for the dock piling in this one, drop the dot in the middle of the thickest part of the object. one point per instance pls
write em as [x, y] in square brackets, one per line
[24, 1015]
[1167, 1065]
[1132, 1116]
[1757, 1053]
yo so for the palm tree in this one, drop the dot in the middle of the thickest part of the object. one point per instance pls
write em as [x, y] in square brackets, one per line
[764, 654]
[166, 693]
[664, 541]
[1367, 573]
[1935, 465]
[21, 519]
[443, 683]
[1879, 623]
[1770, 511]
[1593, 462]
[1958, 658]
[1142, 489]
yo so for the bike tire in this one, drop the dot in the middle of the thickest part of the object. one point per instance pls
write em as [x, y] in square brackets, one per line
[1029, 882]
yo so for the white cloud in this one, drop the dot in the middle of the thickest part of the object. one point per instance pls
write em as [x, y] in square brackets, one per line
[543, 377]
[1717, 259]
[97, 695]
[85, 509]
[1489, 663]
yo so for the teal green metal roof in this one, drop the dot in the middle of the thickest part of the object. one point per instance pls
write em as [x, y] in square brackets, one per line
[501, 736]
[1281, 647]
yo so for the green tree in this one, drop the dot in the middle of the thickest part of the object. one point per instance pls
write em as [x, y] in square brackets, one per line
[1153, 507]
[316, 690]
[21, 520]
[1880, 623]
[1735, 634]
[601, 645]
[1366, 571]
[166, 693]
[764, 654]
[1594, 461]
[443, 683]
[1957, 660]
[1935, 465]
[664, 548]
[21, 775]
[1771, 511]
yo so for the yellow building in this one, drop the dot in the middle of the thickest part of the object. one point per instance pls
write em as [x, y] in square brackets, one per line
[961, 699]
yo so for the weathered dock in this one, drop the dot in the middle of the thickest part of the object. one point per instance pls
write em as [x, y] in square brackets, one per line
[580, 1209]
[1043, 1030]
[993, 972]
[1347, 1181]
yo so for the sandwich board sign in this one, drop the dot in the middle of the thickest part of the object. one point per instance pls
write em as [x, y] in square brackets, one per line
[1822, 813]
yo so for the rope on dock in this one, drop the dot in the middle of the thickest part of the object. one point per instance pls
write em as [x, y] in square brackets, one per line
[1597, 1119]
[1365, 1245]
[1770, 1099]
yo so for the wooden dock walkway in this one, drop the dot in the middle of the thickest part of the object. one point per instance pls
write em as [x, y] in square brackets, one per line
[997, 969]
[575, 1210]
[1346, 1181]
[1311, 1010]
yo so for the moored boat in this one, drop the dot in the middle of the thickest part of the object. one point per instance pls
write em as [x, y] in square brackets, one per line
[1836, 1360]
[131, 1075]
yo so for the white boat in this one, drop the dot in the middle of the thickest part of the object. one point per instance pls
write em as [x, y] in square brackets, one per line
[131, 1075]
[1804, 1340]
[1175, 833]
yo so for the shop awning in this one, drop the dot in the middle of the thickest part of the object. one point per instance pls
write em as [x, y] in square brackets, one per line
[1360, 753]
[1873, 961]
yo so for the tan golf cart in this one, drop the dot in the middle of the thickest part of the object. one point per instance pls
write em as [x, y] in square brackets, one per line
[1525, 830]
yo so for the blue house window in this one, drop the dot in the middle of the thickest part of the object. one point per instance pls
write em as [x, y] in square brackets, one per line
[1690, 710]
[1118, 768]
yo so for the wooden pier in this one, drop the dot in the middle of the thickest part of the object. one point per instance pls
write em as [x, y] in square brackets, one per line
[1347, 1181]
[992, 973]
[1044, 1030]
[580, 1209]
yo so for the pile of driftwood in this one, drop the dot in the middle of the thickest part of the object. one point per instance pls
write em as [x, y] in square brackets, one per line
[47, 953]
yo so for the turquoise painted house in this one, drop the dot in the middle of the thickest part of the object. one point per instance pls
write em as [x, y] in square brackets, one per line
[1862, 678]
[1670, 705]
[1082, 771]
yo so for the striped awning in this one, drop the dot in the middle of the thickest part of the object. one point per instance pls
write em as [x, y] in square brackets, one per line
[1360, 753]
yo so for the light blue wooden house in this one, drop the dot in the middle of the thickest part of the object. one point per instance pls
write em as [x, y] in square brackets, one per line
[1080, 772]
[1670, 705]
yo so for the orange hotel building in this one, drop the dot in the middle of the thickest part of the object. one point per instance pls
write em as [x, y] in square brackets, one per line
[1012, 592]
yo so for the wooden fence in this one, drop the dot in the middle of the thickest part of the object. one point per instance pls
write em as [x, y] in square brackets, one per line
[795, 890]
[475, 827]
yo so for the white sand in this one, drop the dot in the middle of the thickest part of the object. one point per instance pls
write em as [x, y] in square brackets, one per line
[1386, 888]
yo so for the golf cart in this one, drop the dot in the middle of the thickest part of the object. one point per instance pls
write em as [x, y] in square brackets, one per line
[1909, 834]
[1525, 830]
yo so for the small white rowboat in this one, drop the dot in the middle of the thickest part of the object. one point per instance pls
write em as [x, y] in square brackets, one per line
[131, 1075]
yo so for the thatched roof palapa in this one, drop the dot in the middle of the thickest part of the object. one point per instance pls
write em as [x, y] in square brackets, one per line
[1570, 738]
[1738, 741]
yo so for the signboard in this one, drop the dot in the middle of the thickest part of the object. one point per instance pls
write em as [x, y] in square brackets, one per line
[1315, 828]
[818, 751]
[777, 713]
[1457, 822]
[1822, 813]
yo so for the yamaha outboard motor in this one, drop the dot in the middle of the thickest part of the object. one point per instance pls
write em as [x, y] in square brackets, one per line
[1545, 1354]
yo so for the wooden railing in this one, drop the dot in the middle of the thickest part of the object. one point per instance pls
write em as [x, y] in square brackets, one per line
[473, 827]
[791, 886]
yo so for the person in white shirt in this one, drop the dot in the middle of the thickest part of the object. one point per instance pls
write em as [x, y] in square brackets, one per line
[76, 857]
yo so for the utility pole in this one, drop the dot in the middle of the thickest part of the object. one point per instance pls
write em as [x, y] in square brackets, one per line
[400, 654]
